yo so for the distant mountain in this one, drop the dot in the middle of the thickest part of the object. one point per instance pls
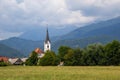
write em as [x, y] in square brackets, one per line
[9, 52]
[25, 46]
[40, 33]
[110, 28]
[101, 32]
[81, 43]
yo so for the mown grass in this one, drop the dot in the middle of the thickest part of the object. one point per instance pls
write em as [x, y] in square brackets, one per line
[59, 73]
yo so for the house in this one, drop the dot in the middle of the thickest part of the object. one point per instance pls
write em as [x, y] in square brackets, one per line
[4, 59]
[15, 61]
[39, 52]
[24, 59]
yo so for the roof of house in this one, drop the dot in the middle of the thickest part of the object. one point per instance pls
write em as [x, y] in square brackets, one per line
[24, 59]
[5, 59]
[15, 61]
[39, 51]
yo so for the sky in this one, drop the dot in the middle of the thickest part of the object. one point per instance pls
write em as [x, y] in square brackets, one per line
[18, 16]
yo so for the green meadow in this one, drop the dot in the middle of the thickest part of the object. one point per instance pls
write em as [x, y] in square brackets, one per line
[59, 73]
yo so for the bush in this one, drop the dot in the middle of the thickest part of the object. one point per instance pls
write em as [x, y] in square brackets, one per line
[32, 60]
[50, 59]
[3, 63]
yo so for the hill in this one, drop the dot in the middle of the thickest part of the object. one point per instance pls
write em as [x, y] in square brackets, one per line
[101, 32]
[9, 52]
[109, 28]
[76, 43]
[40, 33]
[25, 46]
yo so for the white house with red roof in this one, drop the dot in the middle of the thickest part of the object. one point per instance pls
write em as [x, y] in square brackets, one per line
[39, 52]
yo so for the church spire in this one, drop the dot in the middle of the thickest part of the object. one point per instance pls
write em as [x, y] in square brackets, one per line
[47, 43]
[47, 36]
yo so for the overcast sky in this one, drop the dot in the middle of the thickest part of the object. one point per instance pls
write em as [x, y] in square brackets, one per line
[18, 15]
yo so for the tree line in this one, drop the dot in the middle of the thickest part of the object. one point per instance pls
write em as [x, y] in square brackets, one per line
[92, 55]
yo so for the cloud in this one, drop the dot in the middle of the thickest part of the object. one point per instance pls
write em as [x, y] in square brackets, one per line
[97, 8]
[5, 35]
[52, 12]
[40, 12]
[18, 16]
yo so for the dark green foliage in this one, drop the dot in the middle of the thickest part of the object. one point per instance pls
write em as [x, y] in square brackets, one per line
[73, 57]
[32, 60]
[62, 51]
[92, 55]
[68, 57]
[50, 59]
[77, 57]
[112, 51]
[2, 63]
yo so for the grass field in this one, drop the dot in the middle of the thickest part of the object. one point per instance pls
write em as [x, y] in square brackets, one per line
[59, 73]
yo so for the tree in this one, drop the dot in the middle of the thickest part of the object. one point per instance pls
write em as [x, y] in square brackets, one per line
[93, 55]
[68, 58]
[112, 51]
[50, 59]
[77, 57]
[33, 59]
[2, 63]
[73, 57]
[62, 51]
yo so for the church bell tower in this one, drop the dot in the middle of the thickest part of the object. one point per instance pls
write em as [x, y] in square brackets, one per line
[47, 42]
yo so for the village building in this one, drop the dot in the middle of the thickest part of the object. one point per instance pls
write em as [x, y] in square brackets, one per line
[4, 59]
[15, 61]
[24, 59]
[39, 52]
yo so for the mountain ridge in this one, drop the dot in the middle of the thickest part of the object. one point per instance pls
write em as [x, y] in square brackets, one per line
[102, 32]
[85, 32]
[9, 52]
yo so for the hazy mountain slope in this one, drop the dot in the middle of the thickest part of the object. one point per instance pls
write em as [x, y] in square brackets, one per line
[74, 43]
[9, 52]
[108, 28]
[40, 33]
[101, 32]
[25, 46]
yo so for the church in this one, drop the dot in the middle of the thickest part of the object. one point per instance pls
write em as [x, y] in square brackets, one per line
[47, 46]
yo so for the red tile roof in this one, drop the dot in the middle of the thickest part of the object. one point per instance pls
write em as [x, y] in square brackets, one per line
[5, 59]
[39, 51]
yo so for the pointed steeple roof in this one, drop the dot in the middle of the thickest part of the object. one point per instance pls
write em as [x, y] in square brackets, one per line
[47, 36]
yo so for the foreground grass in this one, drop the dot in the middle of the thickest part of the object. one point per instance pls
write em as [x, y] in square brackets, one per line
[59, 73]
